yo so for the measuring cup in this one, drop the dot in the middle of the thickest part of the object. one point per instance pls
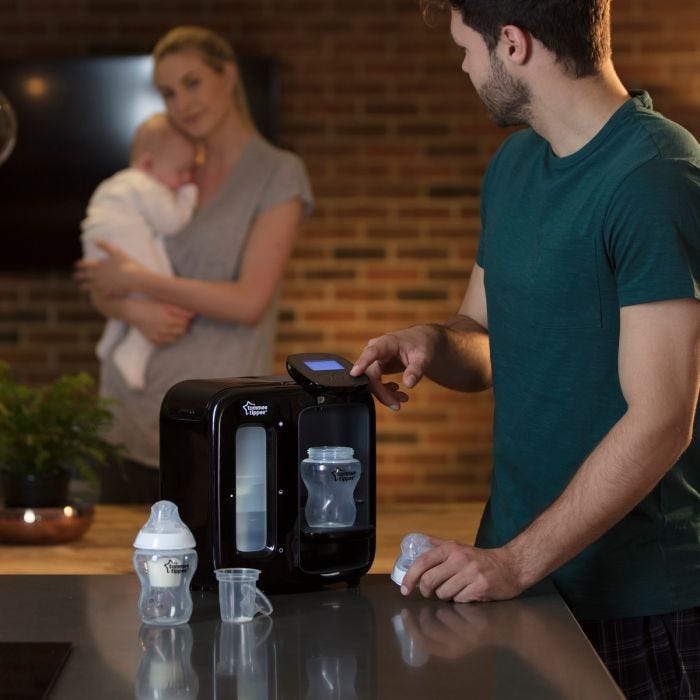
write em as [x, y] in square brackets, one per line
[239, 598]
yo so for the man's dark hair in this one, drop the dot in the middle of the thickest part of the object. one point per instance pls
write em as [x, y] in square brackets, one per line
[576, 31]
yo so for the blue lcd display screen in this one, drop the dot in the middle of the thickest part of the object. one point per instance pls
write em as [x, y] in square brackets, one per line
[323, 365]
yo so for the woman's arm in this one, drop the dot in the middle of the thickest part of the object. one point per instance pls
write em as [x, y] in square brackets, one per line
[160, 323]
[242, 301]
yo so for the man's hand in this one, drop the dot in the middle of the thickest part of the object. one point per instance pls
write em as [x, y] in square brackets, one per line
[464, 574]
[409, 351]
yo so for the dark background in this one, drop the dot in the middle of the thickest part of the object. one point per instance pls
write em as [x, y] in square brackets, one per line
[75, 120]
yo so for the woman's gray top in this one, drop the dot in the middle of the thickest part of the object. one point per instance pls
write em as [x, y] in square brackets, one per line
[210, 247]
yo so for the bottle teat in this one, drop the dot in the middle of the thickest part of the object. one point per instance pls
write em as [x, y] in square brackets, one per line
[164, 529]
[412, 546]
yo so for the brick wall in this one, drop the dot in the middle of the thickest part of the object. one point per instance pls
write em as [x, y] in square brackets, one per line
[396, 143]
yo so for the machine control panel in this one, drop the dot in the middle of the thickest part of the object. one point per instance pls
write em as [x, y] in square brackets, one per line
[322, 373]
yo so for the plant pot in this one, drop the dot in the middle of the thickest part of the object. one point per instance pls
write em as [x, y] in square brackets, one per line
[35, 490]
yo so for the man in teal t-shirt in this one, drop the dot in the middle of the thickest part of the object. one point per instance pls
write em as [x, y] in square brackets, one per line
[567, 243]
[582, 312]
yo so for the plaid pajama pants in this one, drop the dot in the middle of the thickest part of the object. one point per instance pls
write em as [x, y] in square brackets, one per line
[651, 658]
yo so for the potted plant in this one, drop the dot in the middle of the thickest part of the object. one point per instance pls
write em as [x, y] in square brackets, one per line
[48, 433]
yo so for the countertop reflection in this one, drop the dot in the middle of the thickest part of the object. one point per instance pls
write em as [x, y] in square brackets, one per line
[337, 644]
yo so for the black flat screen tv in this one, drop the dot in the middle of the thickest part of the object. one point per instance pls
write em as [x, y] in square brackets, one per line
[75, 120]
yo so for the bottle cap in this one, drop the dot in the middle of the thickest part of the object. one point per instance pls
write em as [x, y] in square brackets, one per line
[164, 529]
[412, 546]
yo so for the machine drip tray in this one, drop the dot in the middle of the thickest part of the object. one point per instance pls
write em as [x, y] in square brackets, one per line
[324, 550]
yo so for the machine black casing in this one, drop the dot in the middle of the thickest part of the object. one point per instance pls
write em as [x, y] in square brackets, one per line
[198, 424]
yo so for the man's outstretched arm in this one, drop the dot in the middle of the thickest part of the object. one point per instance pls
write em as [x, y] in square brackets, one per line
[454, 354]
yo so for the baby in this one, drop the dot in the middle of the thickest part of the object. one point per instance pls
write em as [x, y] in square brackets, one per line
[135, 209]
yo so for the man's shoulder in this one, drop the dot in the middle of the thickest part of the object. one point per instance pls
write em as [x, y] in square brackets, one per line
[655, 156]
[666, 138]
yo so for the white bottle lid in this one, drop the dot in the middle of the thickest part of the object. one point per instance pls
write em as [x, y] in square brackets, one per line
[397, 574]
[412, 546]
[164, 529]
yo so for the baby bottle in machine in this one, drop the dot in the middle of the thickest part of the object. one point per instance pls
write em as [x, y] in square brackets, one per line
[330, 475]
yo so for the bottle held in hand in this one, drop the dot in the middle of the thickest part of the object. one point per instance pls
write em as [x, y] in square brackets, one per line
[412, 546]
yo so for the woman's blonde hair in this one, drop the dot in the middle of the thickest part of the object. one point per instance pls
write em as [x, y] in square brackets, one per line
[215, 52]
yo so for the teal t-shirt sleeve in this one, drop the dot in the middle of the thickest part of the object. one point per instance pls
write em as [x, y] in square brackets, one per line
[480, 249]
[652, 237]
[483, 204]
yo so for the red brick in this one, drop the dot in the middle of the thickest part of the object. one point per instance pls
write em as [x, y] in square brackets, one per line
[375, 103]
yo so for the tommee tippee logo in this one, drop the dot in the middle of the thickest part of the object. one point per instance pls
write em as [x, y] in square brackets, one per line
[173, 566]
[343, 474]
[254, 409]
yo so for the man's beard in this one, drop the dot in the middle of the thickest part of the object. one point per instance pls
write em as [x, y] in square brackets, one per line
[507, 99]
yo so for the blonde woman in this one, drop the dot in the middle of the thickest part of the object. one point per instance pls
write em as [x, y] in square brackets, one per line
[217, 316]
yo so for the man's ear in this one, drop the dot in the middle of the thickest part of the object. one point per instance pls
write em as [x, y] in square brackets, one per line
[515, 44]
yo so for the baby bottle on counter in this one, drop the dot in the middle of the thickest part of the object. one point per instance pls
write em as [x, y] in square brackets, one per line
[412, 546]
[165, 561]
[330, 475]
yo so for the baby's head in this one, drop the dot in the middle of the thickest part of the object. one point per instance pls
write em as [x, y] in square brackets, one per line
[163, 152]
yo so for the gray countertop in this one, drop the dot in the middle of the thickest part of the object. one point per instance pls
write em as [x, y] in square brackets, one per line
[336, 644]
